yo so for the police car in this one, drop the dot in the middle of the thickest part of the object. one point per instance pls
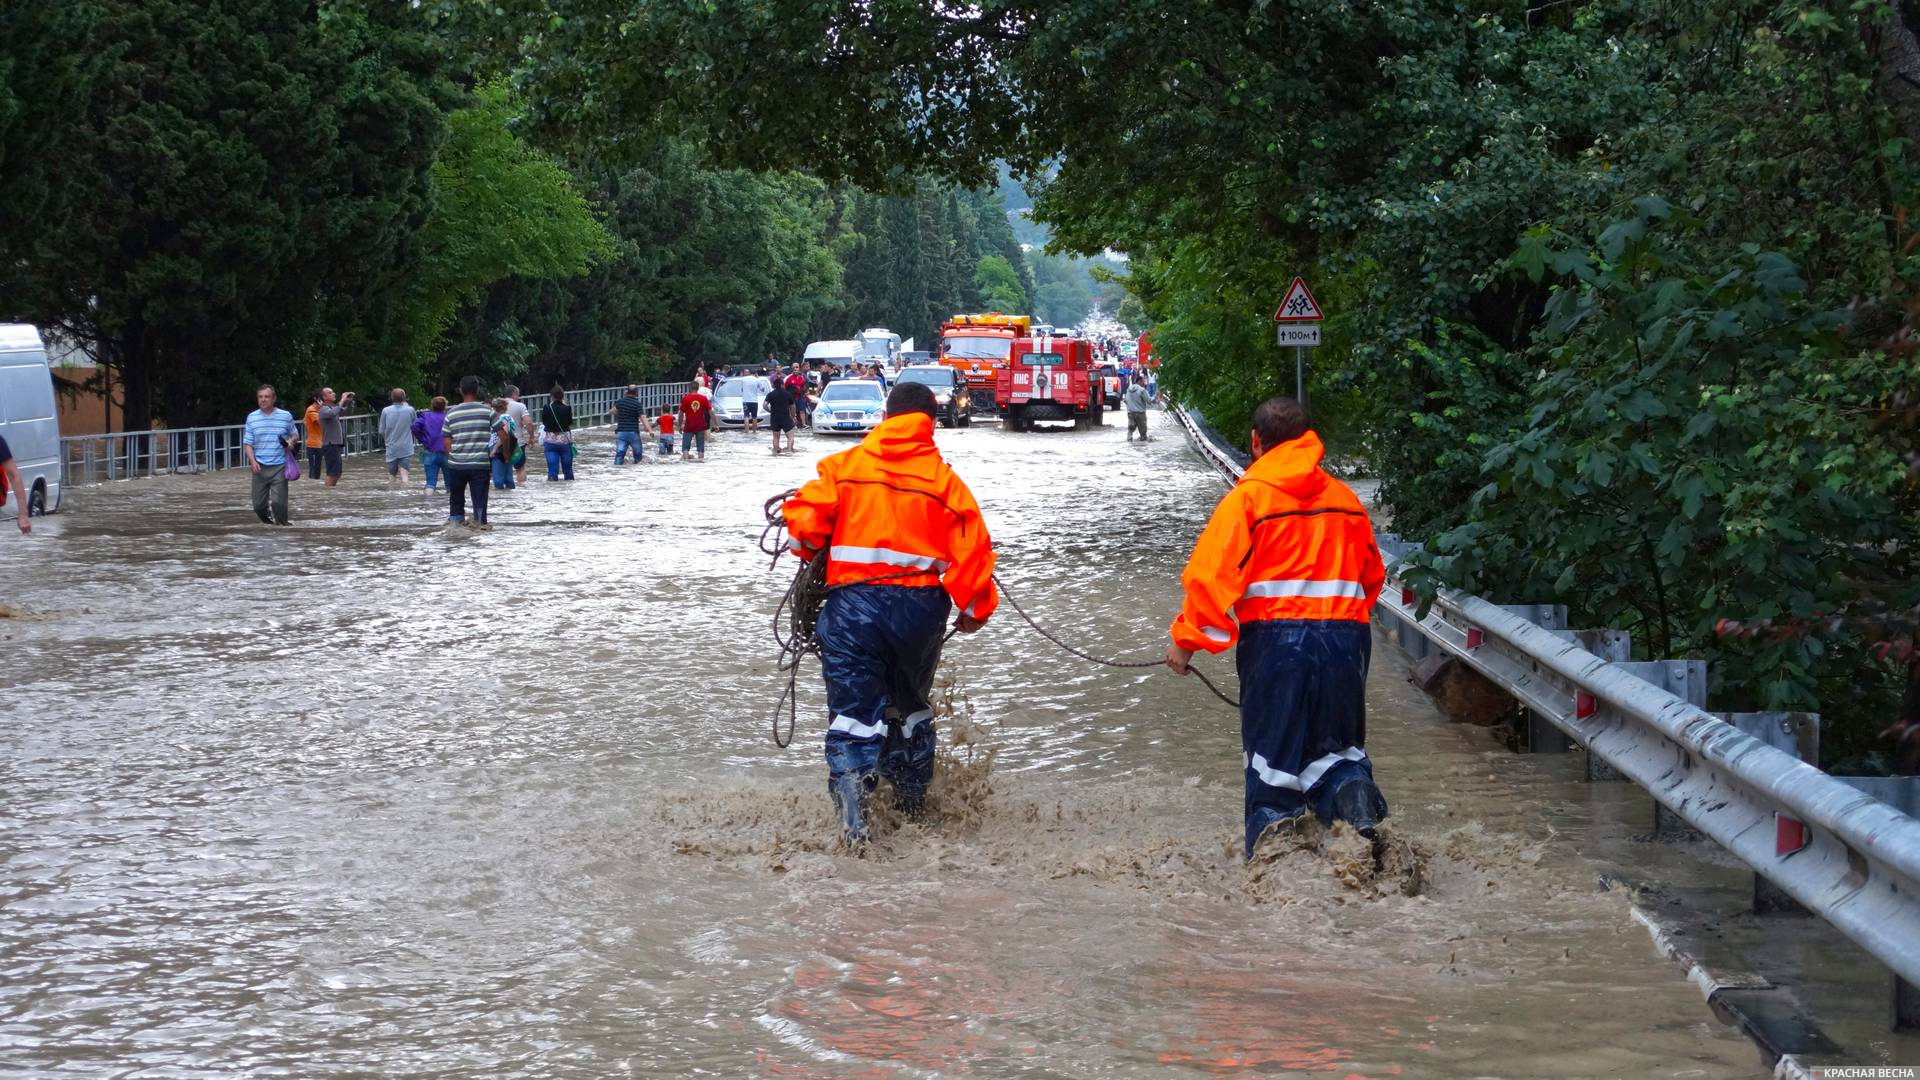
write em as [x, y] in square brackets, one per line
[849, 406]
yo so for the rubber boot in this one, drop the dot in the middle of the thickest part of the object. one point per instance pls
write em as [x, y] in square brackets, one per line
[1358, 802]
[850, 792]
[1261, 818]
[907, 763]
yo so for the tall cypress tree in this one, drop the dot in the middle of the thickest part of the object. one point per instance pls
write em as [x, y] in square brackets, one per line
[908, 302]
[222, 170]
[996, 238]
[966, 251]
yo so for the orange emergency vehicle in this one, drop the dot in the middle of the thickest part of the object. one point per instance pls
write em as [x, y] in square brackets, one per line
[978, 346]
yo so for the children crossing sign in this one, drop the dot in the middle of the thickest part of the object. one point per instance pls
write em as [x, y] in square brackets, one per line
[1299, 306]
[1299, 318]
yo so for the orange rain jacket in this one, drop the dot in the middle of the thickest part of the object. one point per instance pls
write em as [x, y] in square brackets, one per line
[1288, 542]
[892, 506]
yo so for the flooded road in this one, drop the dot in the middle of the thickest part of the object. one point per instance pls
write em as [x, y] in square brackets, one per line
[370, 796]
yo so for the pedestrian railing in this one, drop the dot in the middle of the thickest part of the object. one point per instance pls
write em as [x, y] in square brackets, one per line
[126, 455]
[1837, 846]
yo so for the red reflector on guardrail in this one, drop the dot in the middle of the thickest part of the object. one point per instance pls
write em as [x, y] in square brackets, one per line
[1789, 834]
[1474, 637]
[1584, 705]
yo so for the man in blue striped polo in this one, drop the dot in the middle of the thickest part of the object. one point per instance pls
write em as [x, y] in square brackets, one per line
[269, 434]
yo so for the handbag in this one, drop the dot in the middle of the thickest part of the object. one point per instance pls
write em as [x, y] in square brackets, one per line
[293, 461]
[551, 418]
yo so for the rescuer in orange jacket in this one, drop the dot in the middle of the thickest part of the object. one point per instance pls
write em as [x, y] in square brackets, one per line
[905, 546]
[1287, 568]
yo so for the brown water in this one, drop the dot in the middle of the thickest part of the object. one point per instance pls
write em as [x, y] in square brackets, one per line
[371, 796]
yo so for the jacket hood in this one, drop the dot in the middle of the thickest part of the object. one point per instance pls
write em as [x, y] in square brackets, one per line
[904, 444]
[1293, 467]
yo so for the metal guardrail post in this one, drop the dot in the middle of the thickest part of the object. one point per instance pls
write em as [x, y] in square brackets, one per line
[1686, 680]
[1790, 733]
[1615, 646]
[1543, 737]
[1902, 792]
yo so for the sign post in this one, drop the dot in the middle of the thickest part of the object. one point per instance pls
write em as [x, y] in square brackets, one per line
[1299, 317]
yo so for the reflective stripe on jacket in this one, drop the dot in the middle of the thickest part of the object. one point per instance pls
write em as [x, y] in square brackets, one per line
[891, 506]
[1288, 542]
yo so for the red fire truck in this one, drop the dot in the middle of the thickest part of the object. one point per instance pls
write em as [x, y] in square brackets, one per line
[1049, 378]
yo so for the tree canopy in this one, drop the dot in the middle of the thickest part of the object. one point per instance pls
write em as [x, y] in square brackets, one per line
[1619, 289]
[1620, 292]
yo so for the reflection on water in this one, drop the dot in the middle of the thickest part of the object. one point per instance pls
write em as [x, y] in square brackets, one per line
[367, 795]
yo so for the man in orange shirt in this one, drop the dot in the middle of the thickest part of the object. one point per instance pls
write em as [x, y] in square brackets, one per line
[1287, 567]
[316, 439]
[905, 545]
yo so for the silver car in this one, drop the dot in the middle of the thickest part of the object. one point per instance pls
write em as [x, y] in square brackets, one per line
[728, 404]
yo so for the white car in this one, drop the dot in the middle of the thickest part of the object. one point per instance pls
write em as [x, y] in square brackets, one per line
[727, 404]
[849, 407]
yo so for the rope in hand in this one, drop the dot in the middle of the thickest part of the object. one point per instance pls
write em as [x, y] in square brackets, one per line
[1045, 633]
[796, 617]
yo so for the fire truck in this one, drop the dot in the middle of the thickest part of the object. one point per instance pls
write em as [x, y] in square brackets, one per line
[1050, 378]
[977, 346]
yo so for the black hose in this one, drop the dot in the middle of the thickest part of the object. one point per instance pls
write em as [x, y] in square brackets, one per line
[796, 618]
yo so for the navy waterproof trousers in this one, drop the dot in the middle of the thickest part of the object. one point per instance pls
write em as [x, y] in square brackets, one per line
[879, 645]
[1303, 716]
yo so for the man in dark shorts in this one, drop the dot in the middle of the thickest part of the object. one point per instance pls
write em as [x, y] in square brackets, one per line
[10, 482]
[780, 407]
[333, 431]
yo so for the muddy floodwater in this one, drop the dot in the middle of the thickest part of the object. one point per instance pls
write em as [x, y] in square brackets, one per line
[368, 796]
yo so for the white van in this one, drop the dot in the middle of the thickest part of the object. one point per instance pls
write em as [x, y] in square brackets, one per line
[832, 352]
[27, 418]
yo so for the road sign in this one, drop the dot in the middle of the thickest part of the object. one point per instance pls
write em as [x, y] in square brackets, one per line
[1299, 335]
[1299, 305]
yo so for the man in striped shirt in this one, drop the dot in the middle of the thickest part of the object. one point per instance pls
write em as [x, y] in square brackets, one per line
[268, 436]
[1288, 569]
[467, 428]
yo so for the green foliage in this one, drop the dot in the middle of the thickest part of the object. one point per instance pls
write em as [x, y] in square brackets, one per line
[201, 179]
[914, 260]
[1063, 293]
[1694, 449]
[710, 266]
[501, 209]
[1654, 439]
[998, 286]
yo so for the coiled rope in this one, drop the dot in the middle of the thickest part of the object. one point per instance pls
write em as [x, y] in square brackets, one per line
[796, 618]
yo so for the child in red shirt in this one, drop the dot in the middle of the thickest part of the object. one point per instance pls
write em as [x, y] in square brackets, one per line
[666, 435]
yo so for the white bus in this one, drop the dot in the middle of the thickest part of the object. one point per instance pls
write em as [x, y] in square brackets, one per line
[880, 346]
[27, 418]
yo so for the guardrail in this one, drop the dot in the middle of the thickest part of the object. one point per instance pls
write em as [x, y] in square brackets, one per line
[126, 455]
[1835, 849]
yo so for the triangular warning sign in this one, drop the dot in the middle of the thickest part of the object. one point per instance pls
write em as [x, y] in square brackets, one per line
[1299, 306]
